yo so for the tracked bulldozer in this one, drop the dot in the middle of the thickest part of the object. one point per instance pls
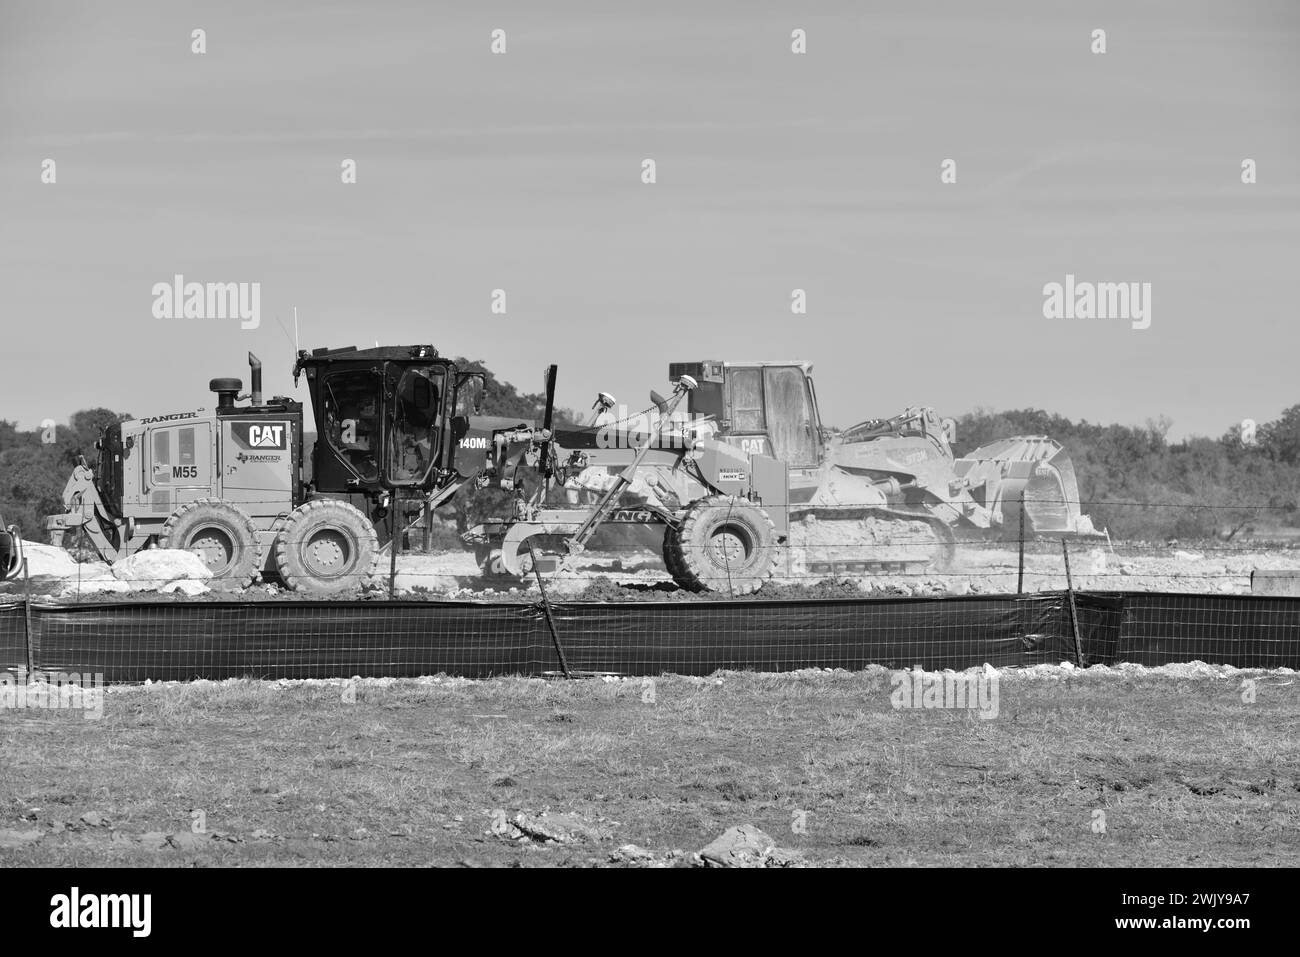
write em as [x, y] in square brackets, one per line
[748, 484]
[253, 493]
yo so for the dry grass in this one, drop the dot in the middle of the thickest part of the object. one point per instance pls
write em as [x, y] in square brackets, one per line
[1184, 771]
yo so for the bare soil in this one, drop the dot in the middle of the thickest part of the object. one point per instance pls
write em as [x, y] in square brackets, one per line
[1102, 767]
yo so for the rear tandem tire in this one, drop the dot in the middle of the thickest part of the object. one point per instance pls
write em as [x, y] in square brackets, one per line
[218, 532]
[723, 544]
[326, 547]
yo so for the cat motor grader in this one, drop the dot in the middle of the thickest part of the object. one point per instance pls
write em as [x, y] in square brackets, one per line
[245, 488]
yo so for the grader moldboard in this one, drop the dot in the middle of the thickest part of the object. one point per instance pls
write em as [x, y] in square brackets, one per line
[247, 490]
[747, 482]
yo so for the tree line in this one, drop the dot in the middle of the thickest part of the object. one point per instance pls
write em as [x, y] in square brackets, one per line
[1139, 485]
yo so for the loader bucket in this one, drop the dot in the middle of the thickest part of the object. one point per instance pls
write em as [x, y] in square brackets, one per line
[1029, 469]
[10, 551]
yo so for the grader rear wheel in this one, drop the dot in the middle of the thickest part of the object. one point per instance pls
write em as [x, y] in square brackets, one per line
[326, 547]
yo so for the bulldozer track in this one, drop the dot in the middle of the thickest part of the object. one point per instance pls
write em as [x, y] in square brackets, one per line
[841, 541]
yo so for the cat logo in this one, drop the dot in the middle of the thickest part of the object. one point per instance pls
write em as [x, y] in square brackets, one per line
[258, 436]
[265, 436]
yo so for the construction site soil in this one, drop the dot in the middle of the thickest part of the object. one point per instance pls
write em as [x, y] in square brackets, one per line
[639, 575]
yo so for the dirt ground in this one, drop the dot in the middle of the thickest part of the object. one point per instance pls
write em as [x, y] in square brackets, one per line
[1175, 766]
[978, 569]
[638, 573]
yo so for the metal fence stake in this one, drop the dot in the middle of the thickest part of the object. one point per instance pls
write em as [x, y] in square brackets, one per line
[546, 609]
[1020, 579]
[1074, 611]
[27, 611]
[392, 545]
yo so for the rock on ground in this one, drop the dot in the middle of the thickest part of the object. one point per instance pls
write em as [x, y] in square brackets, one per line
[746, 846]
[154, 568]
[49, 560]
[559, 828]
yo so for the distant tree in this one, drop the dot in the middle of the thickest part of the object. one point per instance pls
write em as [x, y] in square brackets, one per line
[33, 473]
[1280, 439]
[1133, 482]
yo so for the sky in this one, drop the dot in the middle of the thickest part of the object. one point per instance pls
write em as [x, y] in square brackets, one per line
[775, 171]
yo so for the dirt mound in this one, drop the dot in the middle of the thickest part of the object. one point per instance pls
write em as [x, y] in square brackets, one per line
[154, 568]
[605, 589]
[816, 542]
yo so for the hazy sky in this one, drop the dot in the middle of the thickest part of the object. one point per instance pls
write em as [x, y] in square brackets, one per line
[775, 171]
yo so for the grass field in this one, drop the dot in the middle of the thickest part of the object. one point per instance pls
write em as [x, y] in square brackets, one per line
[422, 772]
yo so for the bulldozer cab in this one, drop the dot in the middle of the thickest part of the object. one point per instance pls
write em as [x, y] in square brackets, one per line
[386, 417]
[763, 408]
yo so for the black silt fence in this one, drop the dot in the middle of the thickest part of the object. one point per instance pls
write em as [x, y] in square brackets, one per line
[132, 641]
[135, 641]
[701, 637]
[1246, 631]
[13, 637]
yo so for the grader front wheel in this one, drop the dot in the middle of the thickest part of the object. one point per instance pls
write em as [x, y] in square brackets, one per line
[221, 534]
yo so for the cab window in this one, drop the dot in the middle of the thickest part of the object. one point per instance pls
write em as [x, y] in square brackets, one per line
[352, 420]
[413, 440]
[746, 387]
[790, 418]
